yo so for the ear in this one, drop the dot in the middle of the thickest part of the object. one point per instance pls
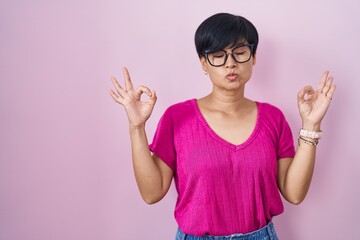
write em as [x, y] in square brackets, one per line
[254, 59]
[203, 64]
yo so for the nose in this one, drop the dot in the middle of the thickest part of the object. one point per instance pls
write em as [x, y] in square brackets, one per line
[230, 61]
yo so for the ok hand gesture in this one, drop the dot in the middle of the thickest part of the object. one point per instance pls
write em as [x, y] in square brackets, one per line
[313, 105]
[138, 112]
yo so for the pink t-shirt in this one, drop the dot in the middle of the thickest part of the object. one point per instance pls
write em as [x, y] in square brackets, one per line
[223, 188]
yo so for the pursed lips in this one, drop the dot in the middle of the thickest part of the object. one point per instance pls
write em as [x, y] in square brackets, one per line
[231, 76]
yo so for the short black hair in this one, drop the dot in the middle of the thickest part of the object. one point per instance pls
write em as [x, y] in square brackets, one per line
[222, 30]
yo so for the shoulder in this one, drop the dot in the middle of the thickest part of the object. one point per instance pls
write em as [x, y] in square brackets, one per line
[273, 121]
[270, 111]
[181, 108]
[179, 115]
[269, 108]
[271, 115]
[179, 112]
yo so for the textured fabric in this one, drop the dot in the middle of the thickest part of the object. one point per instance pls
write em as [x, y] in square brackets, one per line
[266, 233]
[223, 188]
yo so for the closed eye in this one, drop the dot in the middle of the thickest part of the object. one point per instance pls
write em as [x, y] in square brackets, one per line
[219, 55]
[239, 53]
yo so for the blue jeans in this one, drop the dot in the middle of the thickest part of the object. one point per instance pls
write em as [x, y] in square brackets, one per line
[265, 233]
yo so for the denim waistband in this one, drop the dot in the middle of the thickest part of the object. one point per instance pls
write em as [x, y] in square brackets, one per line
[267, 232]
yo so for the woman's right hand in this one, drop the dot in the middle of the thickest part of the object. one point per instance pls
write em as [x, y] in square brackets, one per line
[138, 112]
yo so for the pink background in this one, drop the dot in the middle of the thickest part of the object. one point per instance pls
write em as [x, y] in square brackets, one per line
[65, 165]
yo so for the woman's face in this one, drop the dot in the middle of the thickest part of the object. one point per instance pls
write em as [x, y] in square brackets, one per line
[232, 75]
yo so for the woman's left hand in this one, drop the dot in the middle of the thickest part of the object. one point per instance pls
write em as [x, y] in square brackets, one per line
[314, 104]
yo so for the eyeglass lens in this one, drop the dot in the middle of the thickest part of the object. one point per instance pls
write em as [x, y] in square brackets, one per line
[240, 54]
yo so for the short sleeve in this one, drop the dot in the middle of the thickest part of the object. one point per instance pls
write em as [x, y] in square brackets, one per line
[285, 148]
[163, 141]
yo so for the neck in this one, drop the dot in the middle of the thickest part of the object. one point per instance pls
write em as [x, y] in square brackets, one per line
[227, 101]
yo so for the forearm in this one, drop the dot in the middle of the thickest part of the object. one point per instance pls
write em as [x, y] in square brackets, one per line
[147, 173]
[300, 172]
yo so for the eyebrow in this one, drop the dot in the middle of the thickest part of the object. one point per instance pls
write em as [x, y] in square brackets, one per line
[238, 45]
[232, 47]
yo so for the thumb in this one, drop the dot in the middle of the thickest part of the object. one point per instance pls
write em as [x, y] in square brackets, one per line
[153, 98]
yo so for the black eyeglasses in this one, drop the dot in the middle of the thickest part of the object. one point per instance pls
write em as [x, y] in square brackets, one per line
[241, 54]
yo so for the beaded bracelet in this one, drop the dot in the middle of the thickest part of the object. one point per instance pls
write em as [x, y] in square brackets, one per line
[313, 143]
[310, 134]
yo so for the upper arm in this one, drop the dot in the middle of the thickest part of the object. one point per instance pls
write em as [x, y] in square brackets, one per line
[283, 166]
[166, 174]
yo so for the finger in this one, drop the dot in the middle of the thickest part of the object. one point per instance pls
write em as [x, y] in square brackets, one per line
[323, 81]
[327, 85]
[331, 91]
[128, 84]
[142, 89]
[150, 93]
[153, 98]
[306, 90]
[117, 98]
[301, 95]
[118, 87]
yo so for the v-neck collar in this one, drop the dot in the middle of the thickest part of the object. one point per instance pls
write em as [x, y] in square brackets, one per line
[211, 132]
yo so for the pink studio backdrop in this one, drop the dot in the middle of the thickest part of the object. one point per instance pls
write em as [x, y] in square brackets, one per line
[65, 162]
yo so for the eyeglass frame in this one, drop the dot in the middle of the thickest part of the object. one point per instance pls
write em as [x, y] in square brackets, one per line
[207, 52]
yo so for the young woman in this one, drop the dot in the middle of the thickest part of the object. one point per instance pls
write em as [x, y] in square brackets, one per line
[229, 155]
